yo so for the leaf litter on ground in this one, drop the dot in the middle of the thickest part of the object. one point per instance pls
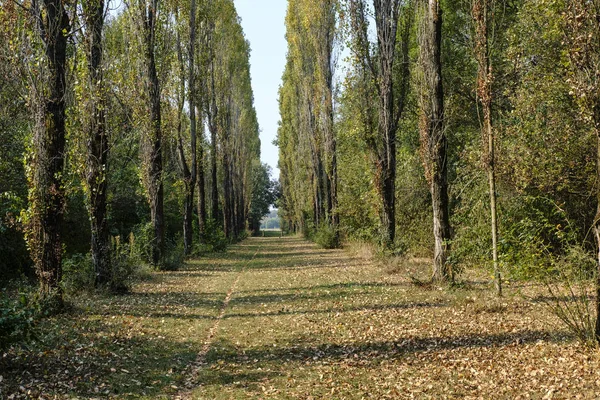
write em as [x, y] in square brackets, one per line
[303, 323]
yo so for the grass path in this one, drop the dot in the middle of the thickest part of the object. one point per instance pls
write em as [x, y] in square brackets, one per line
[279, 318]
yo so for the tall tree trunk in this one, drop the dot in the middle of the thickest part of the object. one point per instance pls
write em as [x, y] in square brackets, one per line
[227, 196]
[183, 165]
[491, 172]
[315, 202]
[322, 189]
[213, 174]
[201, 193]
[213, 113]
[241, 208]
[97, 144]
[386, 18]
[390, 109]
[330, 137]
[434, 136]
[484, 91]
[47, 194]
[190, 174]
[153, 140]
[597, 232]
[232, 206]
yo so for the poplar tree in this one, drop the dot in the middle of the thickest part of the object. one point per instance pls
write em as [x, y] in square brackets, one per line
[52, 24]
[97, 139]
[147, 15]
[482, 12]
[380, 63]
[433, 134]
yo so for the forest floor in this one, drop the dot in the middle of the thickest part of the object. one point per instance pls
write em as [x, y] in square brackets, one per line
[279, 318]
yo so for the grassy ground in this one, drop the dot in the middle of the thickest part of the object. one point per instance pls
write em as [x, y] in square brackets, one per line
[279, 318]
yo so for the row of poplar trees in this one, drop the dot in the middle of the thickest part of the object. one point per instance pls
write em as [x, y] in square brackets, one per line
[381, 72]
[147, 76]
[482, 116]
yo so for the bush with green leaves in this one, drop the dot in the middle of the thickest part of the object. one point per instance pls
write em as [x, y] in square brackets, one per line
[141, 243]
[327, 237]
[174, 255]
[537, 235]
[125, 264]
[213, 239]
[78, 274]
[126, 267]
[17, 317]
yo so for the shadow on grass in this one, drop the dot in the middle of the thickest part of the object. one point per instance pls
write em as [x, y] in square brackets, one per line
[224, 357]
[285, 310]
[310, 252]
[301, 350]
[340, 310]
[162, 305]
[94, 359]
[332, 286]
[551, 300]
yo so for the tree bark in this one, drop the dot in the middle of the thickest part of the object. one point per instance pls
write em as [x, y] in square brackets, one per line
[386, 18]
[189, 172]
[484, 92]
[201, 193]
[97, 144]
[47, 194]
[227, 228]
[390, 107]
[596, 227]
[330, 136]
[434, 136]
[153, 140]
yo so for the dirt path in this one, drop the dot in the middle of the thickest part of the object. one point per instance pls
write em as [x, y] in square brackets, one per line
[280, 318]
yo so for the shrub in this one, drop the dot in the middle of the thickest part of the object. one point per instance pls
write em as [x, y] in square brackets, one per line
[214, 239]
[327, 237]
[174, 255]
[78, 274]
[126, 266]
[125, 263]
[141, 245]
[572, 291]
[17, 318]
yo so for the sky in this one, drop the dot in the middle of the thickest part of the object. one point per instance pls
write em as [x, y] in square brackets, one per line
[263, 22]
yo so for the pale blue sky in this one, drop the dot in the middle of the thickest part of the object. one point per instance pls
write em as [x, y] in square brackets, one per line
[263, 22]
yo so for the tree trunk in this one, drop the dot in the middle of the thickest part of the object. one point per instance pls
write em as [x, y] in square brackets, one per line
[191, 173]
[491, 171]
[596, 228]
[484, 92]
[201, 193]
[47, 194]
[330, 139]
[213, 173]
[435, 138]
[387, 160]
[387, 192]
[153, 140]
[386, 18]
[321, 189]
[188, 206]
[97, 144]
[242, 214]
[226, 196]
